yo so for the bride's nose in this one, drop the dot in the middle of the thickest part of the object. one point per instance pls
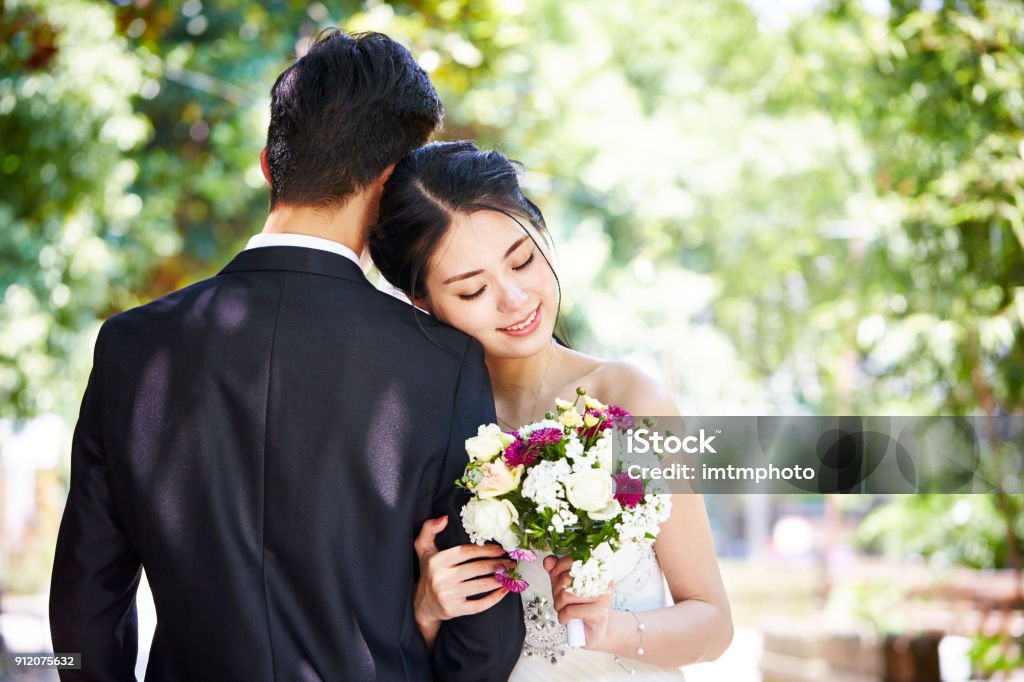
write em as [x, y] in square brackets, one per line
[511, 297]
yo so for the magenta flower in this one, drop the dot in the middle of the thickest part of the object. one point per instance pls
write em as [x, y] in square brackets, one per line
[620, 418]
[606, 420]
[510, 580]
[518, 453]
[547, 436]
[522, 555]
[629, 491]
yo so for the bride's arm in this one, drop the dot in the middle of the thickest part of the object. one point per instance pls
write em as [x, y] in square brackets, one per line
[454, 582]
[698, 626]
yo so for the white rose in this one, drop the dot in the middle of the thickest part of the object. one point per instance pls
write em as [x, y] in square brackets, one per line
[487, 444]
[610, 511]
[490, 520]
[590, 489]
[498, 479]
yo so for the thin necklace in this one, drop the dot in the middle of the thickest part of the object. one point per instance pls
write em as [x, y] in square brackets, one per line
[536, 395]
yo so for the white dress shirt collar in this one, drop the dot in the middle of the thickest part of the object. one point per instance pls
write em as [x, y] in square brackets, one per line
[304, 240]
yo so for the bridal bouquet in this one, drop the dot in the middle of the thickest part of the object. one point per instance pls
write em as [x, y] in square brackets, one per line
[551, 486]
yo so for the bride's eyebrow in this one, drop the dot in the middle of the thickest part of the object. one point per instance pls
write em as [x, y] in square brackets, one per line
[474, 273]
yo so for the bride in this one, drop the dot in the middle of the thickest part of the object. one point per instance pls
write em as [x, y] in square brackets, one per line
[458, 237]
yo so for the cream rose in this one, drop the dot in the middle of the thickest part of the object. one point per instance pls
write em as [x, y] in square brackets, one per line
[490, 520]
[571, 418]
[498, 479]
[590, 490]
[488, 442]
[562, 405]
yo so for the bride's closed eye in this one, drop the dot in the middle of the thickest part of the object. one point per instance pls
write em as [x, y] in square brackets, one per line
[526, 262]
[517, 268]
[475, 294]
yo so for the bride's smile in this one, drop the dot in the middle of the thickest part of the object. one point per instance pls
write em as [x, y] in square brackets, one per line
[527, 325]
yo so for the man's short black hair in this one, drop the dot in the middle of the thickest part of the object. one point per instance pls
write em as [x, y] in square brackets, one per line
[341, 114]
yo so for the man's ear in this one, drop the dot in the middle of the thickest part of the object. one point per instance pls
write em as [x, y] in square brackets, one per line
[386, 174]
[423, 303]
[264, 165]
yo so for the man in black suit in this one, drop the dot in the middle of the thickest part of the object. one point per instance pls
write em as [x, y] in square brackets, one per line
[267, 442]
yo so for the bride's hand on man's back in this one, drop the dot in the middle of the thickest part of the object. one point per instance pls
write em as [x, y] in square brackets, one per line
[449, 577]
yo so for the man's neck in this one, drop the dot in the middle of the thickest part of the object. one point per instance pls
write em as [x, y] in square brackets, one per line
[348, 225]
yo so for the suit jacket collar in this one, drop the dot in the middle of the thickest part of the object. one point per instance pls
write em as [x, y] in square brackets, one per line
[296, 259]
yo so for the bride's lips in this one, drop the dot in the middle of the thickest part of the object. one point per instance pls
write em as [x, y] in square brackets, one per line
[530, 324]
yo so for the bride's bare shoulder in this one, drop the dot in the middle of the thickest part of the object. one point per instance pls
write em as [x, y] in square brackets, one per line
[624, 384]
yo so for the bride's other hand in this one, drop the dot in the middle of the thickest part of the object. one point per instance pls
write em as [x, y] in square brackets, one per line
[593, 611]
[449, 577]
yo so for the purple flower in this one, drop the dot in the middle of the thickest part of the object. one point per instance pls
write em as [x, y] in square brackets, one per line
[546, 436]
[518, 453]
[522, 555]
[628, 490]
[510, 580]
[620, 418]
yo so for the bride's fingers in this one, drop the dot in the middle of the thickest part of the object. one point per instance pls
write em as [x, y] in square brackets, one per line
[481, 568]
[582, 611]
[446, 582]
[455, 603]
[560, 566]
[463, 553]
[569, 612]
[560, 580]
[566, 598]
[471, 588]
[484, 603]
[425, 541]
[450, 558]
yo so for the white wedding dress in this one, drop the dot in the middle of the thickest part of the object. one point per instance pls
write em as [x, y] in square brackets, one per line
[639, 586]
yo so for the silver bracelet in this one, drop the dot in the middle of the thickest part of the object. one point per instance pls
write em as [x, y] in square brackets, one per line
[640, 647]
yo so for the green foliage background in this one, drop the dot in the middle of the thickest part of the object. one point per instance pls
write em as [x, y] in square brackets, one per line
[815, 212]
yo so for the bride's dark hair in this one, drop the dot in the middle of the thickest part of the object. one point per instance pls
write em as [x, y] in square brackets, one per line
[425, 192]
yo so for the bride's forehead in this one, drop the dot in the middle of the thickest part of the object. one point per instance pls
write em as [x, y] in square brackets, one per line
[482, 232]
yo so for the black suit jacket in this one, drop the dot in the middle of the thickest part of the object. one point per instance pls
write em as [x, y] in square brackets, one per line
[266, 444]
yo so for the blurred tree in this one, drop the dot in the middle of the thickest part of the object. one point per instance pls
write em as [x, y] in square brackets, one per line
[76, 241]
[938, 294]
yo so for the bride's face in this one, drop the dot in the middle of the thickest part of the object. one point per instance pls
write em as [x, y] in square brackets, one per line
[490, 279]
